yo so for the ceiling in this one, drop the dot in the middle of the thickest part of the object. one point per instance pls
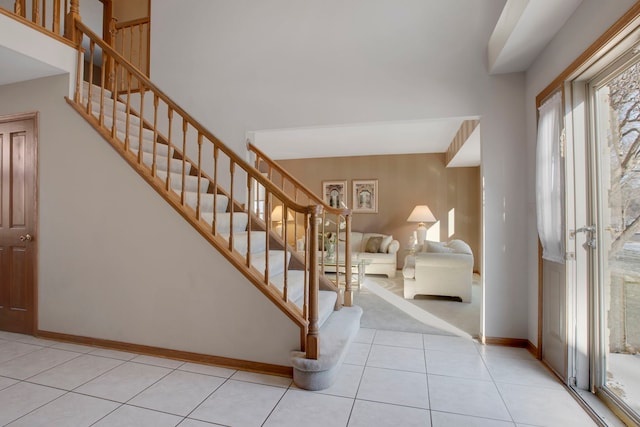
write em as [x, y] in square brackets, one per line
[515, 43]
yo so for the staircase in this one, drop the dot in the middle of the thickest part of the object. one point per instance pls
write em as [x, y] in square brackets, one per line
[228, 201]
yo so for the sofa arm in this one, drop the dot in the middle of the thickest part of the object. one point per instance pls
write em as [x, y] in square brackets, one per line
[443, 260]
[394, 246]
[409, 269]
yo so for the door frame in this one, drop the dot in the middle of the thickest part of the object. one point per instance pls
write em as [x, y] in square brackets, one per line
[33, 116]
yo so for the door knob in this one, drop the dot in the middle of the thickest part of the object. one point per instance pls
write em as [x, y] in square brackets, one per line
[26, 238]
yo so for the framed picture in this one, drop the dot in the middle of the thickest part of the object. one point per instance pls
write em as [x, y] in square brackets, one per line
[365, 195]
[334, 193]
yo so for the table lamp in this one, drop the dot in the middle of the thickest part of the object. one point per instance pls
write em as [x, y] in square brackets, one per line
[421, 214]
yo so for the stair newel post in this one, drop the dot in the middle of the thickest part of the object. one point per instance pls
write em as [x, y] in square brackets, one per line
[348, 292]
[70, 31]
[313, 344]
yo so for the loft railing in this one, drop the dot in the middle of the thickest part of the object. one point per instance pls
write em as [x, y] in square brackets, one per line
[183, 145]
[334, 225]
[131, 40]
[53, 17]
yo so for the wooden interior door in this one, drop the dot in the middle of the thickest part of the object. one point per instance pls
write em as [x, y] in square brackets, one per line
[18, 224]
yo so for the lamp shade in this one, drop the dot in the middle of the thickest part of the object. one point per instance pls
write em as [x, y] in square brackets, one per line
[421, 213]
[276, 214]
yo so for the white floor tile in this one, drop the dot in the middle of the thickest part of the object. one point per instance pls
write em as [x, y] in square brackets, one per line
[462, 365]
[521, 371]
[28, 339]
[10, 336]
[178, 393]
[6, 382]
[238, 403]
[69, 410]
[158, 361]
[491, 351]
[299, 408]
[449, 343]
[357, 354]
[365, 336]
[395, 387]
[401, 358]
[367, 414]
[114, 354]
[22, 398]
[188, 422]
[443, 419]
[253, 377]
[129, 416]
[12, 349]
[543, 406]
[399, 339]
[123, 382]
[215, 371]
[347, 382]
[35, 362]
[466, 397]
[75, 372]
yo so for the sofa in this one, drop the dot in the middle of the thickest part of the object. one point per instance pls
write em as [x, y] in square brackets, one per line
[379, 249]
[443, 269]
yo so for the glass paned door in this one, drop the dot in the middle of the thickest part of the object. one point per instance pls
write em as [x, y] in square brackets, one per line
[616, 102]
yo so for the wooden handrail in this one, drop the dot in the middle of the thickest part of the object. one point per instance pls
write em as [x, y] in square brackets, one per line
[184, 137]
[36, 18]
[132, 23]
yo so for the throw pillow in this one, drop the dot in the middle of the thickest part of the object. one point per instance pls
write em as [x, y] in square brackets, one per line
[373, 244]
[384, 245]
[460, 247]
[428, 243]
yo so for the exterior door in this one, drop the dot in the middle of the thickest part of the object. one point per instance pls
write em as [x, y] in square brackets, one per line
[18, 224]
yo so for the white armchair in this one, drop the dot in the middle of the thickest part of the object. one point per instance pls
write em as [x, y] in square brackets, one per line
[443, 269]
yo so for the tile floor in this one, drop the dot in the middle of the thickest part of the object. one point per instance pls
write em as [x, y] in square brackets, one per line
[389, 379]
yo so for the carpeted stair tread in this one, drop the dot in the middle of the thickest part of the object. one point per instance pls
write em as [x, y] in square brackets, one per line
[121, 114]
[190, 182]
[206, 201]
[335, 337]
[295, 285]
[223, 221]
[258, 241]
[276, 262]
[162, 162]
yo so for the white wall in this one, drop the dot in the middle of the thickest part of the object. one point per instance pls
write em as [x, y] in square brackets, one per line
[246, 65]
[115, 261]
[589, 21]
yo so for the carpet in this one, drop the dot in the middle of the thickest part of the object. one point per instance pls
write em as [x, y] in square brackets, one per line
[386, 308]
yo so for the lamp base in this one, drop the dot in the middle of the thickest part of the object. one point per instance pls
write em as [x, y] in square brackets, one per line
[421, 233]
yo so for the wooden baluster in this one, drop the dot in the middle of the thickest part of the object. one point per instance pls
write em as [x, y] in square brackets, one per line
[141, 112]
[313, 339]
[215, 189]
[170, 115]
[267, 219]
[154, 166]
[76, 96]
[140, 28]
[184, 159]
[56, 16]
[19, 8]
[70, 22]
[232, 170]
[131, 45]
[92, 47]
[307, 245]
[114, 97]
[127, 121]
[285, 287]
[35, 11]
[249, 209]
[102, 82]
[348, 293]
[200, 174]
[43, 14]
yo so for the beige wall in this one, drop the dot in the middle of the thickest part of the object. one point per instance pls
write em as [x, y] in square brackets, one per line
[405, 181]
[127, 10]
[116, 262]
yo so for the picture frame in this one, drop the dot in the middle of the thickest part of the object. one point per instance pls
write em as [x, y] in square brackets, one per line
[365, 196]
[334, 193]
